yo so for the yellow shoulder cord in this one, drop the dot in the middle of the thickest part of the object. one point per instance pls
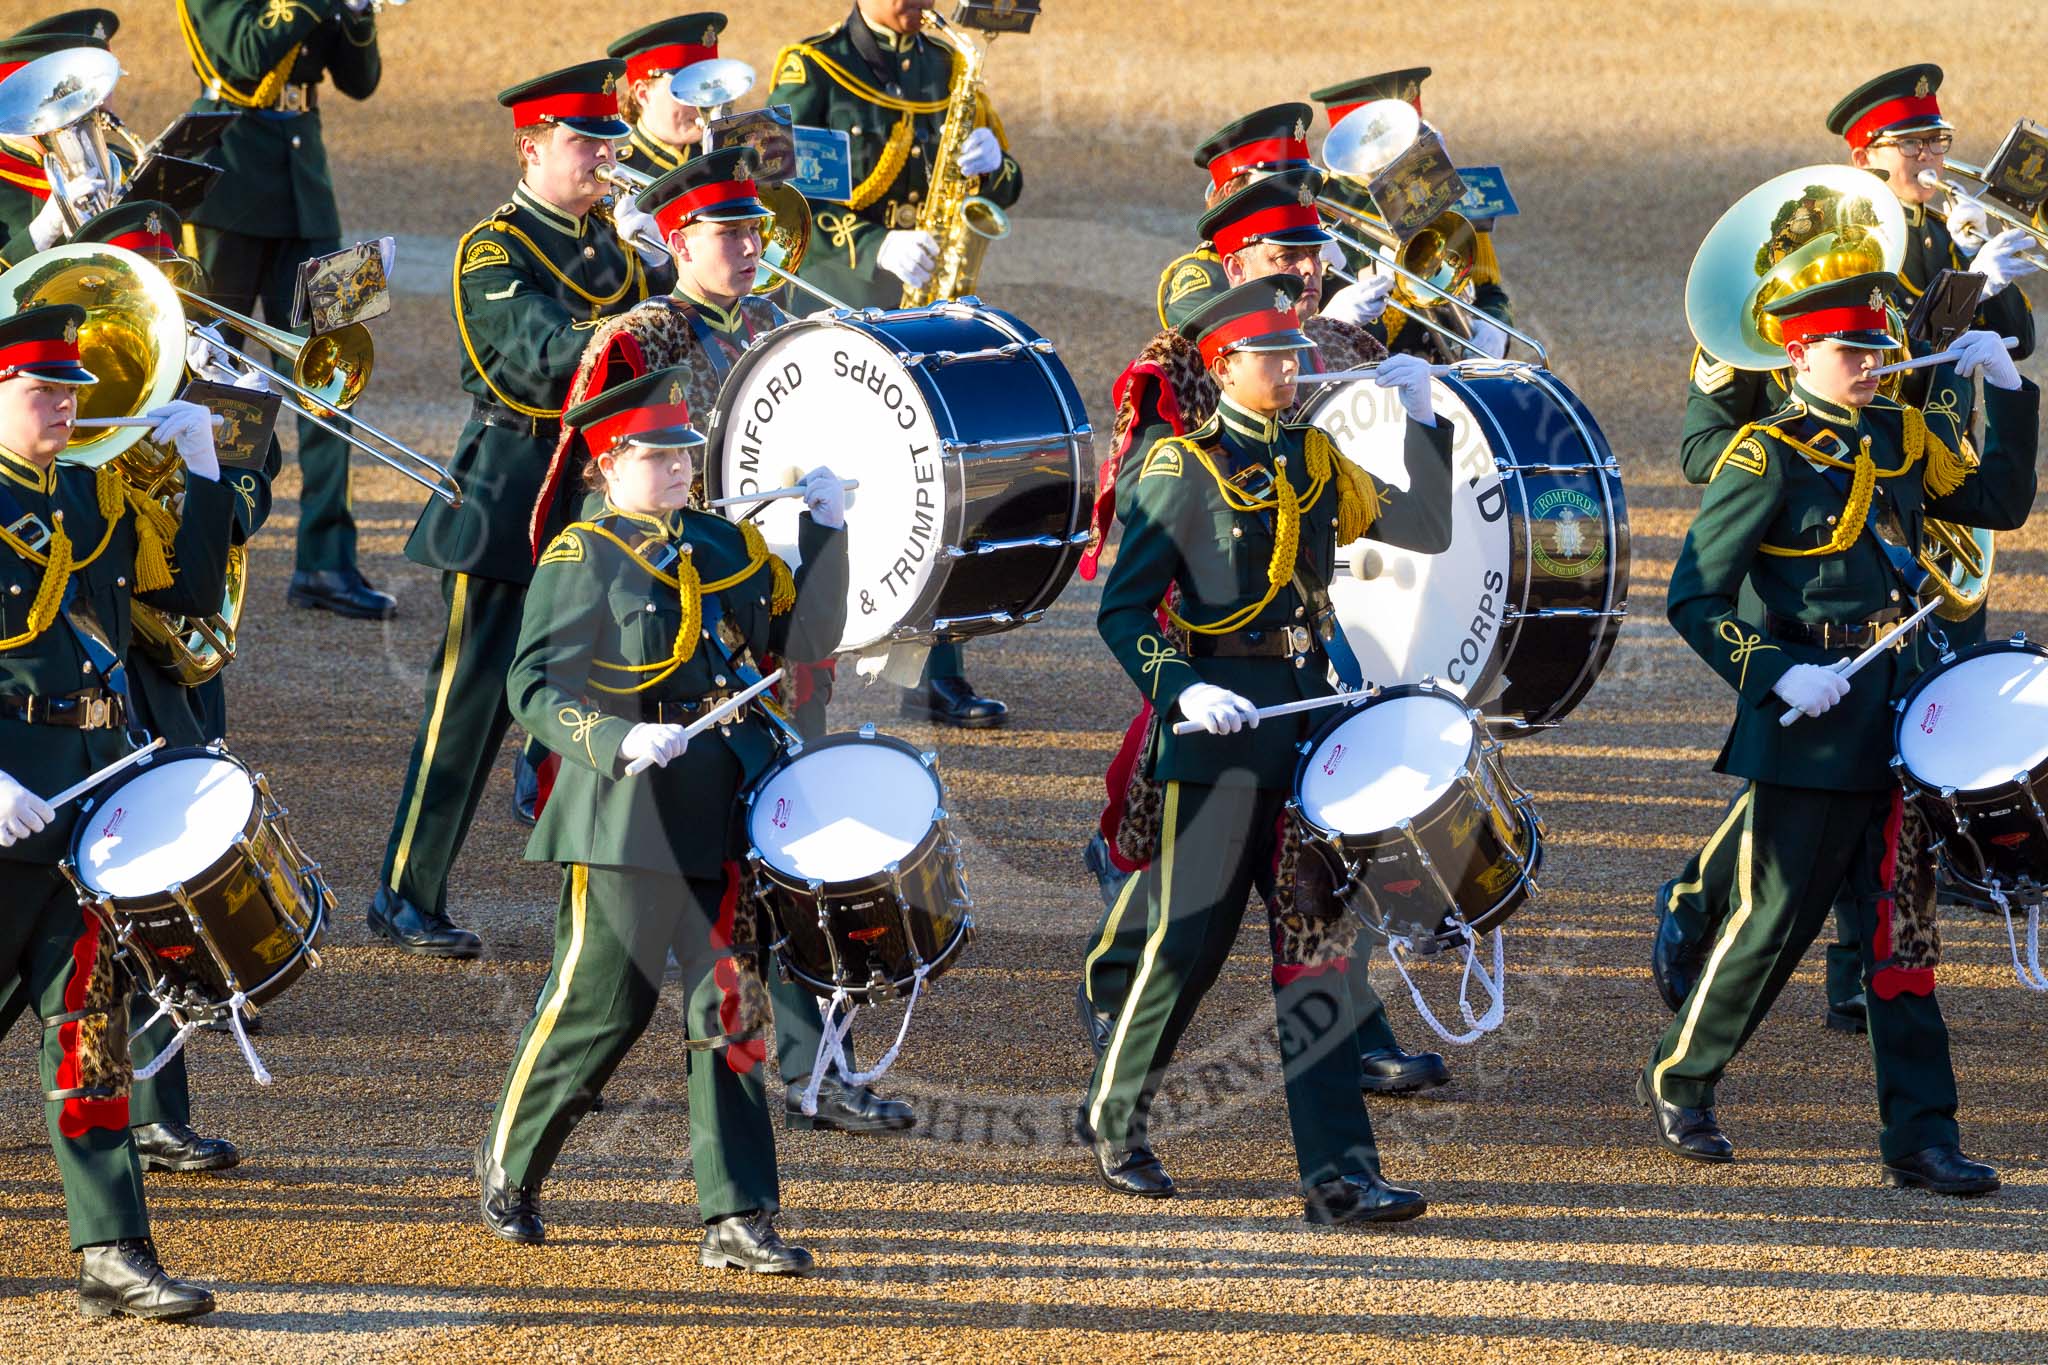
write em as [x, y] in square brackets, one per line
[1358, 498]
[1286, 540]
[57, 563]
[1856, 511]
[691, 589]
[897, 150]
[264, 96]
[1947, 470]
[634, 276]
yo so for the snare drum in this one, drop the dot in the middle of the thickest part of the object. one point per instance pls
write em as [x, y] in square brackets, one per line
[1520, 614]
[971, 445]
[1404, 798]
[850, 851]
[190, 859]
[1972, 740]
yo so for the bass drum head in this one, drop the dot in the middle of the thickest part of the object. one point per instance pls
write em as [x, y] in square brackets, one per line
[1388, 761]
[1410, 616]
[834, 394]
[1978, 722]
[164, 824]
[843, 811]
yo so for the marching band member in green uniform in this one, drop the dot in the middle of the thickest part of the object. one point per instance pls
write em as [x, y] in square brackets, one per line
[273, 210]
[1797, 561]
[30, 219]
[1253, 601]
[876, 78]
[709, 214]
[530, 283]
[666, 132]
[1894, 125]
[73, 553]
[640, 620]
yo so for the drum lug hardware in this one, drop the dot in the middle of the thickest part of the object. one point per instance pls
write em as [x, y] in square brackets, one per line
[867, 730]
[928, 757]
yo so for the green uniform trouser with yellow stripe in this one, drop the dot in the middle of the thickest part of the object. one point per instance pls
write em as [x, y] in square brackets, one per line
[464, 722]
[1212, 841]
[613, 936]
[1701, 896]
[40, 938]
[1795, 848]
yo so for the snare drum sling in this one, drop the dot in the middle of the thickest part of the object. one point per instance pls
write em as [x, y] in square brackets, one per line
[618, 630]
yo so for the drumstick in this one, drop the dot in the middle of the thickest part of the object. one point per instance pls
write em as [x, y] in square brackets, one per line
[769, 494]
[1939, 358]
[712, 717]
[1285, 708]
[1854, 666]
[1363, 372]
[129, 421]
[80, 788]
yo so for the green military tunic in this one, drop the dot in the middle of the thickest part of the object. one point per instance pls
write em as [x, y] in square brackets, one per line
[649, 155]
[23, 192]
[530, 284]
[45, 935]
[1204, 518]
[647, 857]
[1780, 546]
[889, 95]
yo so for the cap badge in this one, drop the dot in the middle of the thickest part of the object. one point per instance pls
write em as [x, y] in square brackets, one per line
[1412, 91]
[1281, 302]
[1300, 130]
[154, 225]
[70, 334]
[675, 392]
[611, 81]
[1305, 196]
[1877, 298]
[710, 36]
[99, 30]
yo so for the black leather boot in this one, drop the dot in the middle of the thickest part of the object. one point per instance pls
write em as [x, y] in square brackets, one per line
[1691, 1133]
[345, 592]
[1131, 1170]
[176, 1147]
[123, 1280]
[1361, 1198]
[953, 701]
[1390, 1071]
[1674, 960]
[1944, 1170]
[1096, 1025]
[1848, 1016]
[511, 1211]
[749, 1241]
[400, 922]
[843, 1108]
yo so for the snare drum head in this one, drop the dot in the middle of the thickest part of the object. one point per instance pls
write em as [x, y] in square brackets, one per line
[168, 823]
[834, 394]
[1978, 722]
[1389, 761]
[843, 812]
[1411, 615]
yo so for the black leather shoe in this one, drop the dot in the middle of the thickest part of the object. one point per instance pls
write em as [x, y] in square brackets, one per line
[1390, 1071]
[1132, 1170]
[749, 1241]
[1674, 960]
[1691, 1133]
[1108, 875]
[1361, 1198]
[175, 1147]
[123, 1280]
[511, 1211]
[399, 921]
[843, 1108]
[1849, 1016]
[952, 701]
[1096, 1026]
[525, 791]
[1944, 1170]
[345, 592]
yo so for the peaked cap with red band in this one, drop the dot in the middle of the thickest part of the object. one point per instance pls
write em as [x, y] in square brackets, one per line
[1271, 139]
[1278, 208]
[1851, 311]
[667, 47]
[582, 98]
[717, 187]
[646, 411]
[1405, 84]
[1257, 315]
[43, 343]
[142, 226]
[58, 33]
[1897, 102]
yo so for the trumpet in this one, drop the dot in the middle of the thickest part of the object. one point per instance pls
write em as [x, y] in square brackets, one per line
[783, 241]
[1992, 208]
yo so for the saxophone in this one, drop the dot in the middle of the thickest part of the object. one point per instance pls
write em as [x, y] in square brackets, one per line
[961, 221]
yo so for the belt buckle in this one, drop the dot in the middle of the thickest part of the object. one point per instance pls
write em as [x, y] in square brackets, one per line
[30, 531]
[292, 99]
[1297, 640]
[98, 712]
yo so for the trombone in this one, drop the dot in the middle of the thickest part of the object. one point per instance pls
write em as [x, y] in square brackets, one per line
[1989, 203]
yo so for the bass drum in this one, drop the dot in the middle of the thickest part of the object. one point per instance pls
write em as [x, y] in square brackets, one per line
[971, 445]
[1519, 615]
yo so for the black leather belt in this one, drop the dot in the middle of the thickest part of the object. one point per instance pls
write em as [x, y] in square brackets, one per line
[1276, 642]
[672, 712]
[1832, 634]
[498, 415]
[80, 711]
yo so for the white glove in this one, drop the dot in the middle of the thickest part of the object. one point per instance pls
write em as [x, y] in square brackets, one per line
[216, 365]
[648, 743]
[188, 427]
[1968, 224]
[1333, 256]
[1360, 303]
[825, 497]
[49, 227]
[909, 255]
[1811, 689]
[982, 153]
[22, 812]
[1488, 337]
[1985, 353]
[639, 230]
[1409, 374]
[1217, 709]
[2003, 260]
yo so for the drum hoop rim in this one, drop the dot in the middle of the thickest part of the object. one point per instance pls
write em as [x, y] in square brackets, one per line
[206, 875]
